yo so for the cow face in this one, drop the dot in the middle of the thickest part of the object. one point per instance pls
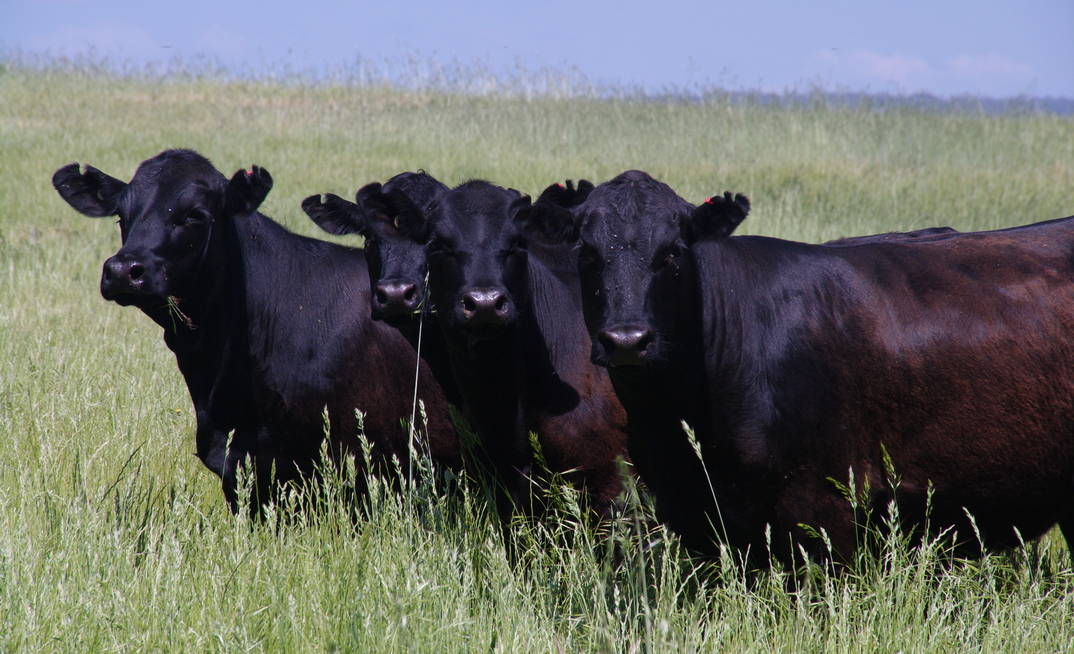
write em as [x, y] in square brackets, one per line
[635, 265]
[169, 218]
[394, 240]
[631, 262]
[477, 258]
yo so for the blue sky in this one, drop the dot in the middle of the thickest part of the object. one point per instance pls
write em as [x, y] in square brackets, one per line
[984, 47]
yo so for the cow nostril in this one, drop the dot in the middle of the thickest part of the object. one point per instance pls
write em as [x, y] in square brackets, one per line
[607, 341]
[411, 294]
[469, 304]
[137, 270]
[382, 296]
[501, 304]
[644, 342]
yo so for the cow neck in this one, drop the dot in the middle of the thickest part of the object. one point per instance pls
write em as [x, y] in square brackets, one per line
[658, 400]
[488, 374]
[730, 279]
[554, 338]
[193, 327]
[434, 351]
[726, 277]
[212, 354]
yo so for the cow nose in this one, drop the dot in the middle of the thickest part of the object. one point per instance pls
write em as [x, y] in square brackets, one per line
[484, 306]
[122, 275]
[626, 346]
[397, 298]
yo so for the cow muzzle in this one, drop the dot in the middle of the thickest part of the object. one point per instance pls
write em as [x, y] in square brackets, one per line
[485, 307]
[124, 277]
[627, 345]
[395, 300]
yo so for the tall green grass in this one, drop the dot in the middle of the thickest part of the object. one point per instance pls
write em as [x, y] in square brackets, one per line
[113, 537]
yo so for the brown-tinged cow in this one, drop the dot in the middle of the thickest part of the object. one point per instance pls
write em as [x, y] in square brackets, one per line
[948, 357]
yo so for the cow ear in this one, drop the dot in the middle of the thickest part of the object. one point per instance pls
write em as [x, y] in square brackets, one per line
[518, 208]
[91, 193]
[555, 223]
[567, 195]
[246, 191]
[551, 214]
[335, 215]
[717, 217]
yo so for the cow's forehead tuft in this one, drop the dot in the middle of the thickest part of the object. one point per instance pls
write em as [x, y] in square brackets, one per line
[171, 161]
[178, 168]
[172, 179]
[478, 209]
[420, 186]
[479, 196]
[632, 211]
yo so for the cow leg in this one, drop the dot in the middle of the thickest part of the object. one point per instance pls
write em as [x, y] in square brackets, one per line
[1066, 525]
[806, 507]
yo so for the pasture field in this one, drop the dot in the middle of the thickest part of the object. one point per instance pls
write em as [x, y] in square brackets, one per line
[113, 537]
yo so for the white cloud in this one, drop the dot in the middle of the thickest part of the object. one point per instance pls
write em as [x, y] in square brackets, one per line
[989, 74]
[990, 64]
[897, 69]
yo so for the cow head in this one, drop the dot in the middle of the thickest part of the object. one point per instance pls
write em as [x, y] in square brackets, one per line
[169, 218]
[634, 236]
[472, 246]
[394, 240]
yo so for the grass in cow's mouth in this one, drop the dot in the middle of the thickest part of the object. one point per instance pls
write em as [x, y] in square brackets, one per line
[114, 537]
[177, 314]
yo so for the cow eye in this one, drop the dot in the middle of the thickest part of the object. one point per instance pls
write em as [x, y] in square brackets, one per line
[195, 218]
[670, 259]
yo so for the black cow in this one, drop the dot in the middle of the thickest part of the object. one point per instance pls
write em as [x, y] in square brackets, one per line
[948, 359]
[268, 327]
[509, 309]
[397, 266]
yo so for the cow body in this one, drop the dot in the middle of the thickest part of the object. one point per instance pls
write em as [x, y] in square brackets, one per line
[509, 313]
[946, 359]
[269, 328]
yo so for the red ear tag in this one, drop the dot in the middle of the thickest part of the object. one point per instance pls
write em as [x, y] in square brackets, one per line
[709, 201]
[249, 173]
[559, 185]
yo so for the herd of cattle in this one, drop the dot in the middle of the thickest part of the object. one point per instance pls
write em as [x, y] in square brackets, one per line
[604, 319]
